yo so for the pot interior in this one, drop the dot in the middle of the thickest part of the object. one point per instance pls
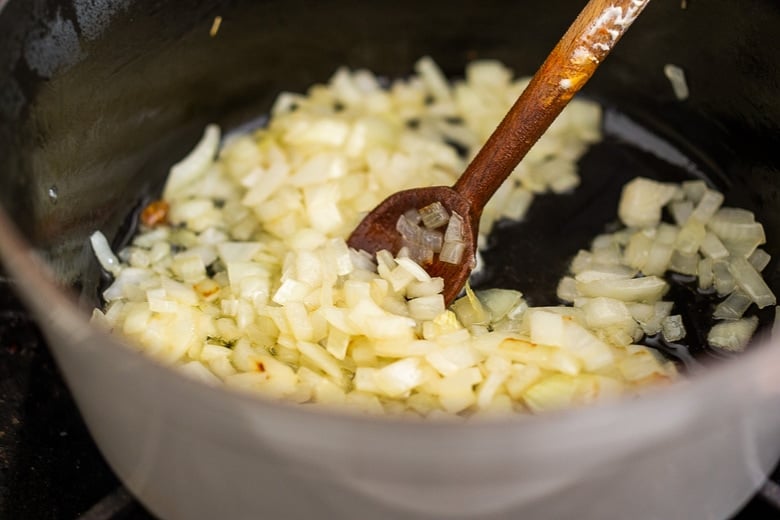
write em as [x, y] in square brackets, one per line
[99, 99]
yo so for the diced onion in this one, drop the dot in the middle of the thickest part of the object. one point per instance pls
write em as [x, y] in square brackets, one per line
[194, 165]
[750, 281]
[732, 335]
[733, 307]
[252, 282]
[434, 215]
[452, 252]
[103, 253]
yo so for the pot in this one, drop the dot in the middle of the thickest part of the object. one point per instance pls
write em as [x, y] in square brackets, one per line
[99, 99]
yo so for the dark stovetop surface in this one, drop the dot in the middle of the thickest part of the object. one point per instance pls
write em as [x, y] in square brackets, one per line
[49, 466]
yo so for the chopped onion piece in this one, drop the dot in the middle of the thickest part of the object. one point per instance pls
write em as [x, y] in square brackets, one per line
[676, 77]
[732, 215]
[455, 230]
[189, 169]
[642, 200]
[722, 277]
[469, 309]
[708, 204]
[653, 325]
[500, 302]
[408, 230]
[733, 335]
[648, 288]
[105, 256]
[605, 272]
[712, 247]
[418, 252]
[684, 264]
[434, 215]
[705, 273]
[759, 259]
[681, 211]
[691, 236]
[452, 252]
[414, 269]
[672, 328]
[694, 190]
[432, 239]
[750, 281]
[425, 288]
[640, 364]
[413, 216]
[658, 258]
[399, 377]
[738, 232]
[567, 289]
[733, 307]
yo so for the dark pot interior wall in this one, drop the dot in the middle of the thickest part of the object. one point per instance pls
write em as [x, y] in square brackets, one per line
[99, 98]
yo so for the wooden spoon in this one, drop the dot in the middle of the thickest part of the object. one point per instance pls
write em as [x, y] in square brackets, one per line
[571, 63]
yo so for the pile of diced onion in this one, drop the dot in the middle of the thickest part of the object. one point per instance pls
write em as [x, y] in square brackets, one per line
[621, 278]
[243, 277]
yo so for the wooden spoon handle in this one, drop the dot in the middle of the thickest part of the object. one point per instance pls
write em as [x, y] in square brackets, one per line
[569, 66]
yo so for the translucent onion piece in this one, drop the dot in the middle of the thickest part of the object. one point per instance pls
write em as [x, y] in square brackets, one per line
[705, 273]
[454, 232]
[567, 289]
[648, 288]
[750, 281]
[105, 256]
[452, 252]
[676, 77]
[732, 231]
[722, 277]
[710, 203]
[434, 215]
[733, 307]
[658, 259]
[552, 393]
[499, 302]
[672, 328]
[192, 167]
[691, 236]
[694, 190]
[684, 264]
[426, 307]
[759, 259]
[433, 239]
[408, 230]
[642, 200]
[733, 335]
[413, 216]
[681, 211]
[713, 248]
[419, 252]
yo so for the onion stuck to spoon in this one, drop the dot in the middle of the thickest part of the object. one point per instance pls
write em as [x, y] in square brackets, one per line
[569, 66]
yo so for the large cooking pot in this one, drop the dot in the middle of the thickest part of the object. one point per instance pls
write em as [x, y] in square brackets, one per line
[99, 98]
